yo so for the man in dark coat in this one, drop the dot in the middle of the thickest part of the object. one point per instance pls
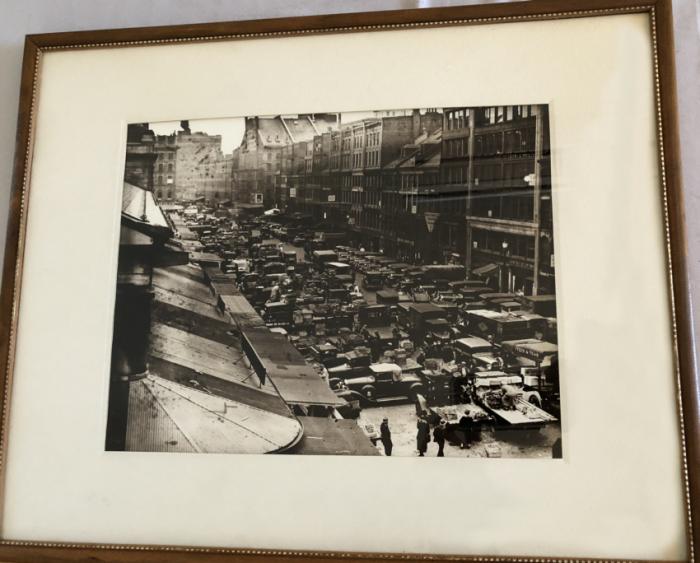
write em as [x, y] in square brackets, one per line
[385, 436]
[423, 435]
[439, 437]
[466, 430]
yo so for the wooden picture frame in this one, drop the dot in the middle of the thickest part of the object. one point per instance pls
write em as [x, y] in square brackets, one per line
[659, 16]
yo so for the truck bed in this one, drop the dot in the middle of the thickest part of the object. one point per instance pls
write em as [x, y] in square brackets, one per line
[524, 414]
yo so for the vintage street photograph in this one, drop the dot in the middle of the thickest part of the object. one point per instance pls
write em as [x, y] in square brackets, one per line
[371, 283]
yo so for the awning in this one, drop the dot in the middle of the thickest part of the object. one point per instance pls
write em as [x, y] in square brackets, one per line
[140, 210]
[167, 416]
[326, 436]
[295, 380]
[482, 270]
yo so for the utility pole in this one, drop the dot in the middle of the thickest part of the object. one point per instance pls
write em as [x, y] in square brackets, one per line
[539, 142]
[470, 182]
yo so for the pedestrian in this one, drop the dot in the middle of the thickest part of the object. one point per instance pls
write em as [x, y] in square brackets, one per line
[385, 436]
[556, 449]
[375, 346]
[465, 430]
[423, 435]
[439, 437]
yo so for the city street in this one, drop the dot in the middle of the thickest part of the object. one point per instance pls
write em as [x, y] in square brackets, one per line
[402, 421]
[336, 269]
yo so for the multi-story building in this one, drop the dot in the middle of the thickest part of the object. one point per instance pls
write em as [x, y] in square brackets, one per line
[463, 184]
[165, 167]
[216, 184]
[412, 199]
[344, 171]
[196, 161]
[140, 156]
[509, 221]
[259, 164]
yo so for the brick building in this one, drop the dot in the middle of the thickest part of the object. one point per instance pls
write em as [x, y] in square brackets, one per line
[196, 163]
[470, 185]
[344, 171]
[259, 161]
[509, 223]
[140, 156]
[165, 167]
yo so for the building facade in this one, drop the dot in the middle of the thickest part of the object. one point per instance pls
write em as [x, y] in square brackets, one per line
[509, 223]
[165, 180]
[255, 179]
[196, 163]
[464, 185]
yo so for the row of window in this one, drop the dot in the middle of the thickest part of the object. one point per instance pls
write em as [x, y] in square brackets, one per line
[501, 114]
[516, 208]
[455, 147]
[457, 119]
[506, 245]
[508, 173]
[513, 141]
[373, 158]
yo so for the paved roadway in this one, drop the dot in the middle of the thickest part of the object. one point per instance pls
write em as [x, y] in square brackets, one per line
[370, 296]
[402, 422]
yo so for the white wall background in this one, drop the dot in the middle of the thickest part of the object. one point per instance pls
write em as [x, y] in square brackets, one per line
[20, 17]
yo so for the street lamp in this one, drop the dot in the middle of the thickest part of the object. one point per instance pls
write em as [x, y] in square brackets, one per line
[504, 246]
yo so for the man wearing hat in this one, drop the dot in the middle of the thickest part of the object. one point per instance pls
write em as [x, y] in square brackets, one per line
[385, 436]
[423, 435]
[439, 437]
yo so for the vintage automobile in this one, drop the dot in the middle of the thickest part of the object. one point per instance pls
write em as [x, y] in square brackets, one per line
[439, 330]
[414, 317]
[322, 257]
[510, 306]
[465, 348]
[338, 268]
[471, 293]
[386, 382]
[355, 363]
[323, 353]
[377, 321]
[278, 314]
[387, 297]
[545, 305]
[537, 362]
[289, 257]
[373, 280]
[499, 326]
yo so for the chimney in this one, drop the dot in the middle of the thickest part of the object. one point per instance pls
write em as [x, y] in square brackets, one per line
[415, 116]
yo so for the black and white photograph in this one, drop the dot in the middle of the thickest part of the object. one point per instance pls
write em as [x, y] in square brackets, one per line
[376, 283]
